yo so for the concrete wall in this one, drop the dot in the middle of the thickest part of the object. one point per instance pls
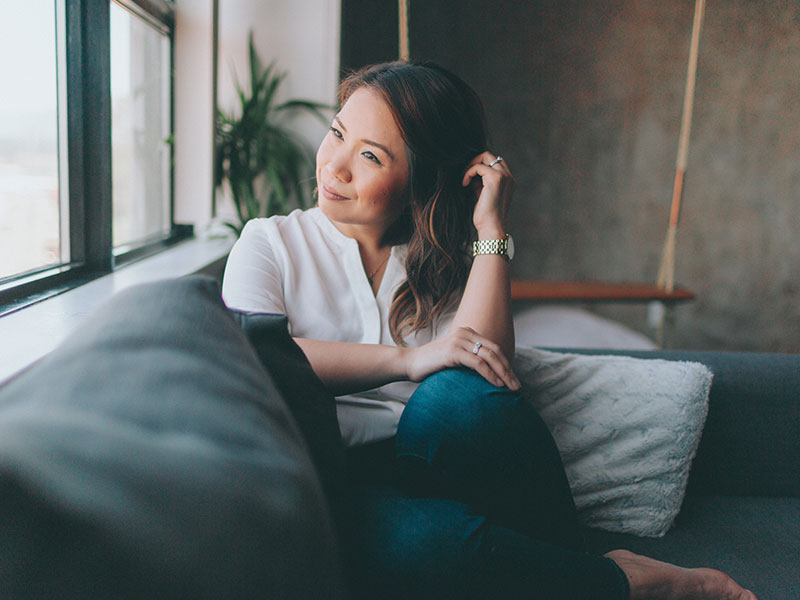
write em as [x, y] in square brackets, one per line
[584, 100]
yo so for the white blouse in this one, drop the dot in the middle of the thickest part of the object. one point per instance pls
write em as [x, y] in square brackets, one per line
[302, 266]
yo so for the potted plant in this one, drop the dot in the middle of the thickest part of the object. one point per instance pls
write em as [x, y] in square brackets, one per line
[266, 167]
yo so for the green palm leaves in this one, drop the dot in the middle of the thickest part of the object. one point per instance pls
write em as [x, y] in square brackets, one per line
[268, 168]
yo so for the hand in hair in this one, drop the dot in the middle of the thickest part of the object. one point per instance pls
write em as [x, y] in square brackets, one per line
[493, 187]
[485, 304]
[458, 349]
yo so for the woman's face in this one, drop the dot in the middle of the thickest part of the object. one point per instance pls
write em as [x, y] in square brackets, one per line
[362, 166]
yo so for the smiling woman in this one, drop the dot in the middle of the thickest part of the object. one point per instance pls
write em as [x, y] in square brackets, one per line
[415, 340]
[400, 183]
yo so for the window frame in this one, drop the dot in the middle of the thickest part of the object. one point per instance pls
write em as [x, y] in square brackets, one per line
[89, 183]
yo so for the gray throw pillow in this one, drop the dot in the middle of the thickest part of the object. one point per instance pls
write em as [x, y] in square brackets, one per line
[152, 456]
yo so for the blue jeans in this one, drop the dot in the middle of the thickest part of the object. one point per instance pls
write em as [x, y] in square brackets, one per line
[474, 503]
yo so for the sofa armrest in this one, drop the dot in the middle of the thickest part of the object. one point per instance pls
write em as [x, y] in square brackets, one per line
[151, 455]
[751, 440]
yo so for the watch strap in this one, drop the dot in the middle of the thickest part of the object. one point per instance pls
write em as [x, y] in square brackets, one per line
[491, 247]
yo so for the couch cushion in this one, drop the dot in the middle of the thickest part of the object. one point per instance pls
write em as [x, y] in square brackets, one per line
[151, 455]
[754, 540]
[312, 405]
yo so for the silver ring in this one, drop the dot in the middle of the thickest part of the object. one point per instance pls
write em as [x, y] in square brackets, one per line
[495, 161]
[476, 348]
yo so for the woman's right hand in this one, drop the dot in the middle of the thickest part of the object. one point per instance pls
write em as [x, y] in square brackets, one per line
[460, 347]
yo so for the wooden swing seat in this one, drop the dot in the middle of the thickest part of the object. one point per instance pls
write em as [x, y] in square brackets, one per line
[594, 291]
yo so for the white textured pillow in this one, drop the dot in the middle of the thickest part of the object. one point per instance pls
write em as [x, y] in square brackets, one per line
[627, 430]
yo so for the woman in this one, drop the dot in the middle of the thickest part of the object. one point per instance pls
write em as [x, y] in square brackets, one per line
[382, 286]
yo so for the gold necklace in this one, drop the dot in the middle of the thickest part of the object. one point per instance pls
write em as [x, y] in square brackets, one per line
[371, 276]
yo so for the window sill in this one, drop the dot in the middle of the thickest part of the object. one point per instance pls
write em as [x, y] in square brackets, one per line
[28, 334]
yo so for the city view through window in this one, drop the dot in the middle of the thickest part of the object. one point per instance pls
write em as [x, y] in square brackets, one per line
[30, 215]
[34, 219]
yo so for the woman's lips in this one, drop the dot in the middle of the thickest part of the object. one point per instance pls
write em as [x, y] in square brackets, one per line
[331, 194]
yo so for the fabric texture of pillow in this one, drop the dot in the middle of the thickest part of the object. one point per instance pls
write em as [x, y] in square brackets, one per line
[151, 456]
[627, 430]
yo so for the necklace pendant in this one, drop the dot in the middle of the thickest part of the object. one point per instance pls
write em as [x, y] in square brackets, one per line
[371, 276]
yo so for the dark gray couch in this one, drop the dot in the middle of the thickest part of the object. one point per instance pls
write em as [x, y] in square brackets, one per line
[742, 510]
[174, 449]
[153, 454]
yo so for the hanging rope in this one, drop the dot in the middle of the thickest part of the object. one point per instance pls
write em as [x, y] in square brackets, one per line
[666, 271]
[403, 31]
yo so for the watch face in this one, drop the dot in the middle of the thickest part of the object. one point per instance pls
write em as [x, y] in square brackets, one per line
[510, 247]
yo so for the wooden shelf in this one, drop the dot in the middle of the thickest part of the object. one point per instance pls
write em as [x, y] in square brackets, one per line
[592, 291]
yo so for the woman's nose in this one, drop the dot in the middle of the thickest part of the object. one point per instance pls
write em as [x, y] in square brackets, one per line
[339, 168]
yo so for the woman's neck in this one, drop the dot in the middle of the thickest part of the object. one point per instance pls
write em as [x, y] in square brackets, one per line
[374, 246]
[371, 240]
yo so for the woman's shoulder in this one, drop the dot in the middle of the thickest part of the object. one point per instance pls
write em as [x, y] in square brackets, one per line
[281, 226]
[265, 224]
[300, 232]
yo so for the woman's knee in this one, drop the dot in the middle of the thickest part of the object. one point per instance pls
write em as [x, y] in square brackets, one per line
[486, 446]
[459, 410]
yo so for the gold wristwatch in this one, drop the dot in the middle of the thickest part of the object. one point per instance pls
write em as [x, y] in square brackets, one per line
[504, 247]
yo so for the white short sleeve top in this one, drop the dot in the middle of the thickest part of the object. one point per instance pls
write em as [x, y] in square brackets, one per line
[302, 266]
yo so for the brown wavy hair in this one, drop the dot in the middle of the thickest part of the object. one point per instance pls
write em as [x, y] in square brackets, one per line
[442, 122]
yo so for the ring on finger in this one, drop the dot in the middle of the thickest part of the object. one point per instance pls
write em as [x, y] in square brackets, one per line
[495, 161]
[476, 348]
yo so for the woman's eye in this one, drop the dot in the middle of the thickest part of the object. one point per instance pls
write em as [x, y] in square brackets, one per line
[336, 132]
[371, 156]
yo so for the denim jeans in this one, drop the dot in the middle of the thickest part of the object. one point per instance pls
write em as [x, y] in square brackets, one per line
[469, 501]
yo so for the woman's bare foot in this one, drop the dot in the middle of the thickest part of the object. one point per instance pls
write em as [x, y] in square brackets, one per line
[656, 580]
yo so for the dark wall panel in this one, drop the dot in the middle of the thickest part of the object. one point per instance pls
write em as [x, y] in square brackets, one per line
[369, 33]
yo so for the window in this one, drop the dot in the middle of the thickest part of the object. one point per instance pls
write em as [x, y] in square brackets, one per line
[30, 202]
[85, 141]
[140, 128]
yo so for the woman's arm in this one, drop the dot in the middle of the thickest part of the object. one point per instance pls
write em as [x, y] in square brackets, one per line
[348, 367]
[485, 306]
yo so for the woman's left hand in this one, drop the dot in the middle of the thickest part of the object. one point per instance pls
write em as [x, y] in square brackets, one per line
[493, 187]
